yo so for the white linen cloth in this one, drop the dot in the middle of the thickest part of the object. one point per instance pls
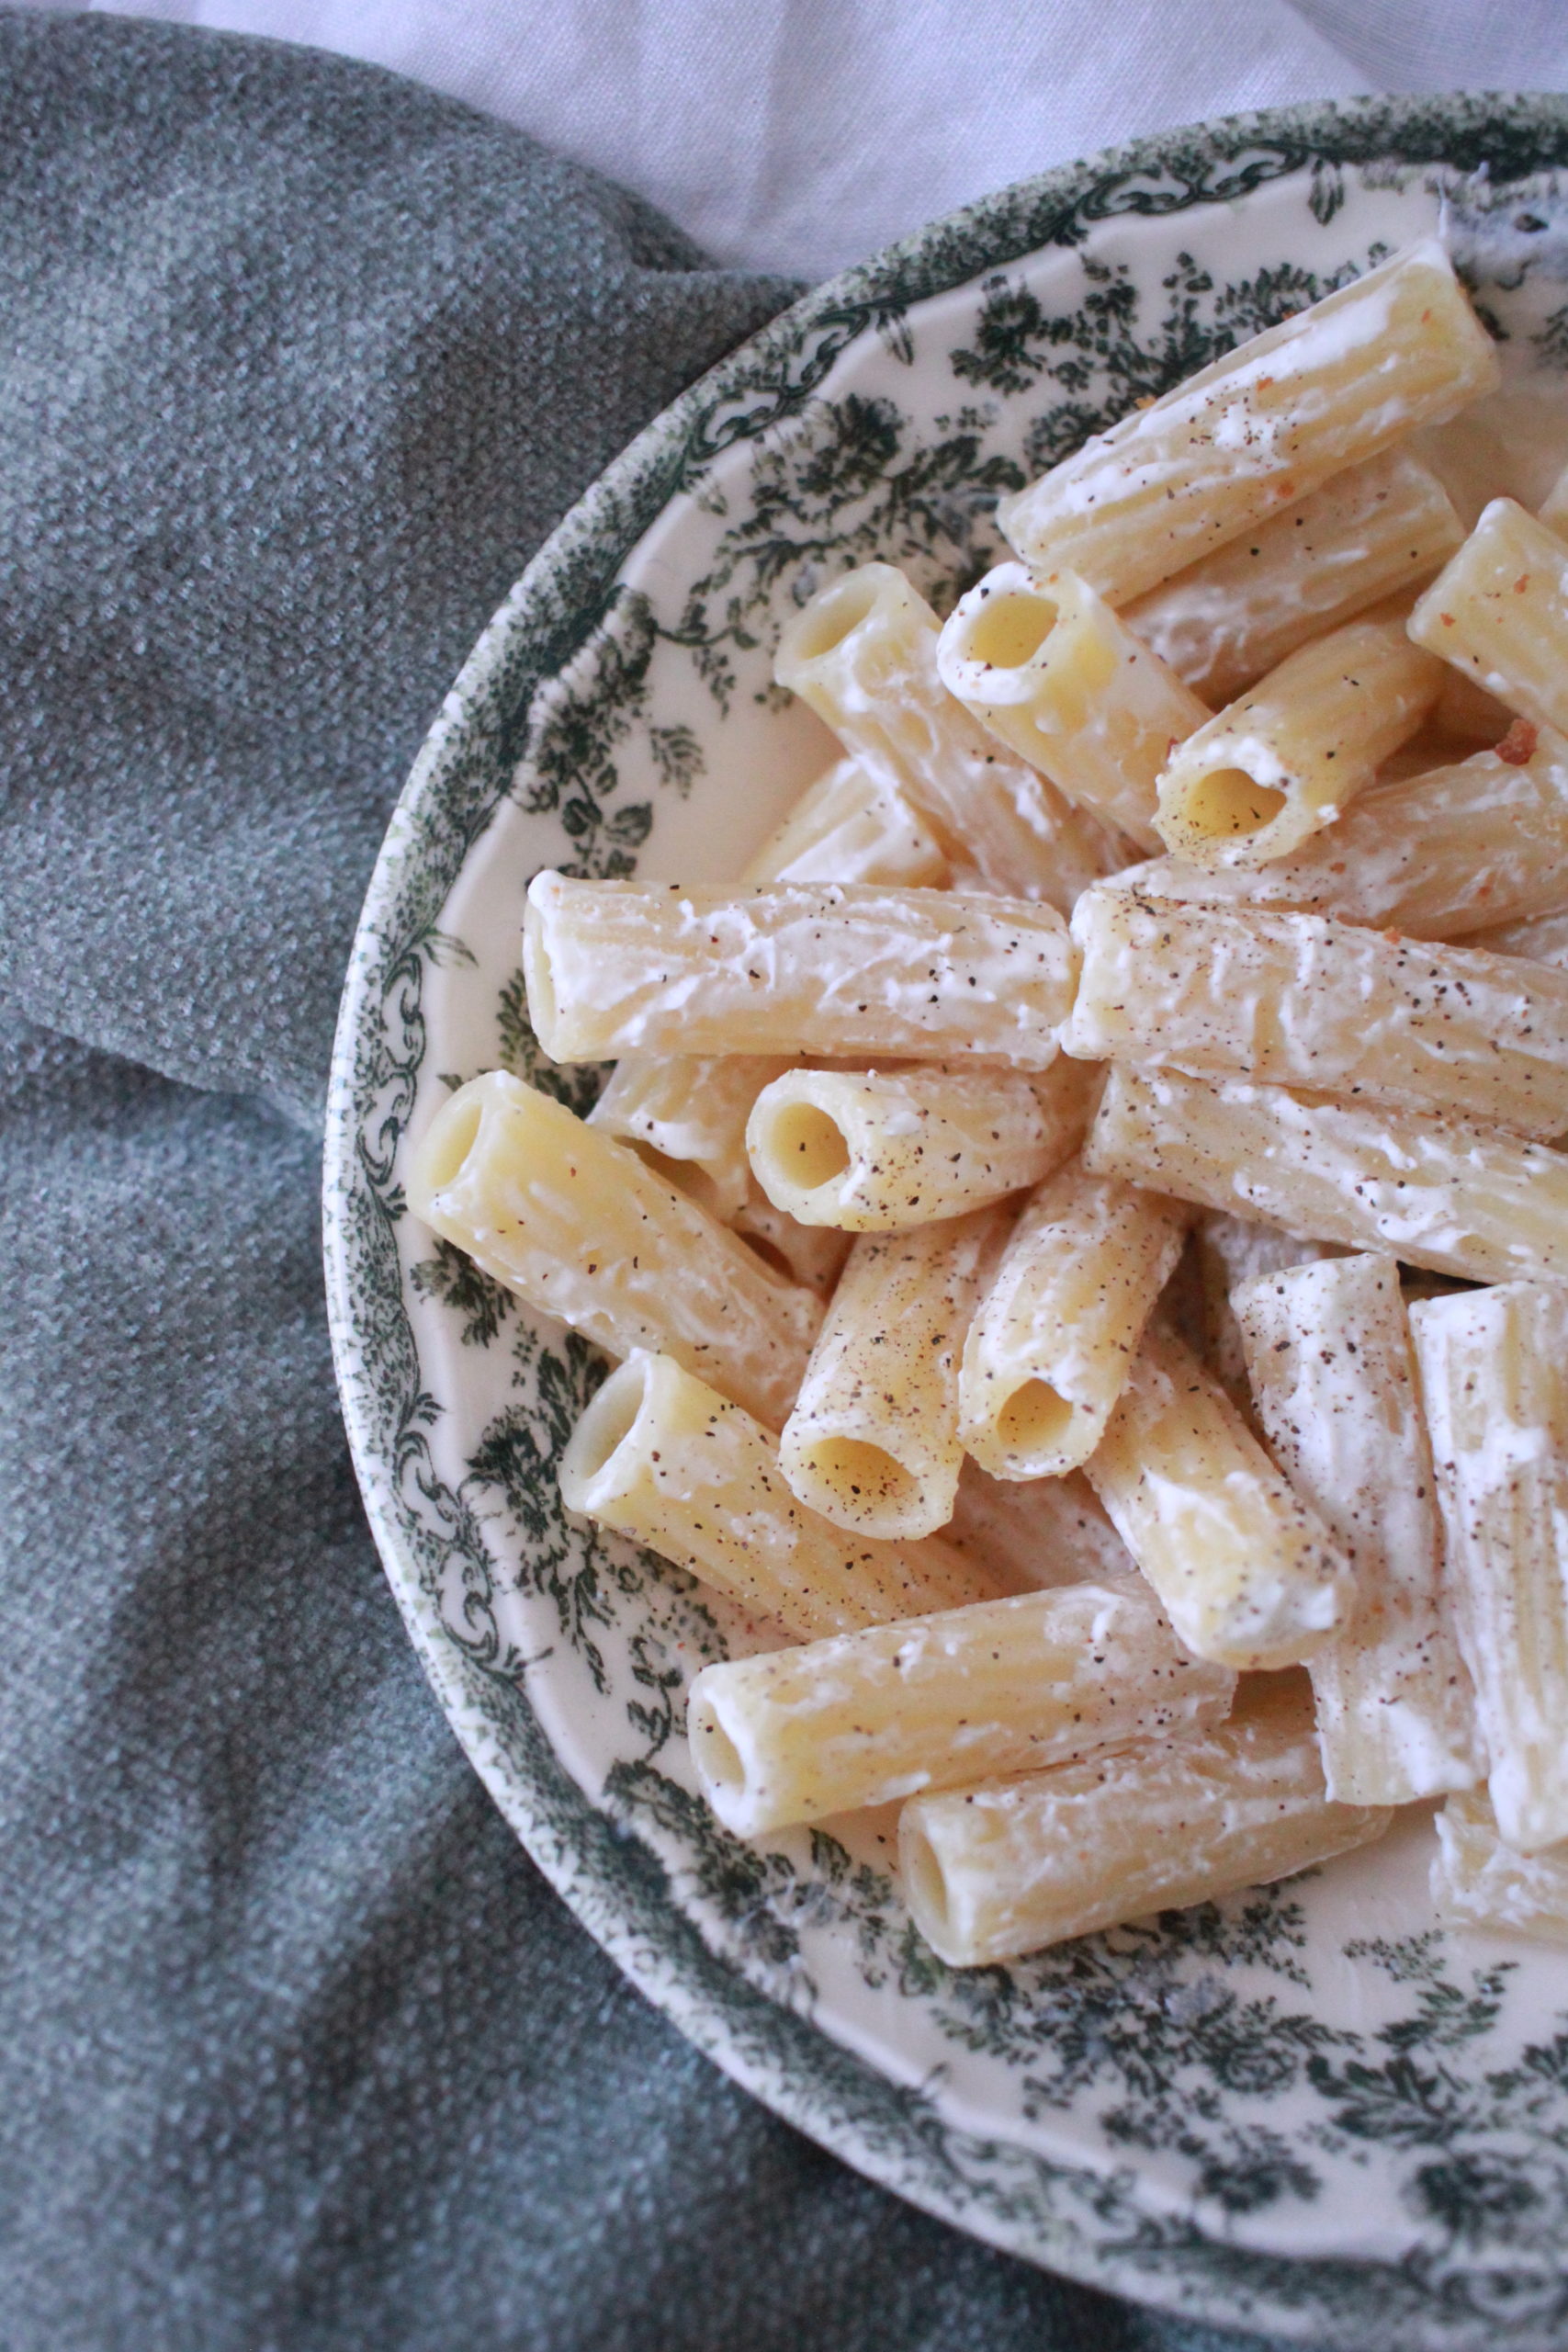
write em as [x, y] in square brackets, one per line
[799, 135]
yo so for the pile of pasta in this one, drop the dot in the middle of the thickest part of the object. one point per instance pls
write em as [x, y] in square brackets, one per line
[1080, 1240]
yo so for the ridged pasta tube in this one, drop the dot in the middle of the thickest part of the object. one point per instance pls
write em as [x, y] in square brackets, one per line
[1459, 1199]
[1060, 678]
[1302, 1000]
[1004, 1686]
[851, 826]
[863, 654]
[1230, 1250]
[1249, 1575]
[1498, 611]
[1493, 1367]
[1478, 1882]
[686, 1114]
[619, 968]
[1288, 758]
[1441, 855]
[877, 1151]
[1368, 532]
[576, 1224]
[1259, 429]
[1036, 1532]
[992, 1872]
[872, 1442]
[661, 1457]
[1328, 1349]
[1060, 1322]
[1543, 938]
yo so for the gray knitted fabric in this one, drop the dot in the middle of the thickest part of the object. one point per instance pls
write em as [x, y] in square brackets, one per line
[298, 366]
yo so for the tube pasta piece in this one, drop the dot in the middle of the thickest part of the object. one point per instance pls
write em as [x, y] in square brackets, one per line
[577, 1226]
[872, 1442]
[1053, 1336]
[1443, 854]
[1259, 429]
[863, 654]
[1001, 1687]
[993, 1872]
[615, 967]
[664, 1459]
[1232, 1251]
[1493, 1367]
[1248, 1575]
[811, 1254]
[1436, 1193]
[1284, 761]
[1328, 1349]
[1238, 612]
[1498, 611]
[1300, 999]
[877, 1151]
[1478, 1882]
[851, 826]
[1542, 938]
[1049, 668]
[1037, 1531]
[686, 1116]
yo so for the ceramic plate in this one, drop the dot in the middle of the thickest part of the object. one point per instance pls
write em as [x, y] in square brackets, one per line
[1305, 2109]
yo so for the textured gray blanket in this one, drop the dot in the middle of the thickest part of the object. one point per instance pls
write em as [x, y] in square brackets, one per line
[298, 365]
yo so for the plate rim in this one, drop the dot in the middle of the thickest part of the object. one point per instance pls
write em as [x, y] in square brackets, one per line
[613, 1885]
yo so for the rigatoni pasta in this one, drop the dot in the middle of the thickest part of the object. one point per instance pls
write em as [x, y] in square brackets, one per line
[686, 1114]
[577, 1226]
[1259, 429]
[661, 1457]
[616, 968]
[875, 1152]
[1479, 1881]
[1498, 611]
[798, 1735]
[851, 826]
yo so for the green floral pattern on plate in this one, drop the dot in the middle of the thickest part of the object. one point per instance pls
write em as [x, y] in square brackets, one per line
[1306, 2109]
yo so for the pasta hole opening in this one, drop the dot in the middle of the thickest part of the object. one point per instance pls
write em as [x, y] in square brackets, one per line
[1035, 1416]
[863, 1478]
[837, 617]
[603, 1430]
[1007, 631]
[1228, 802]
[719, 1761]
[925, 1882]
[805, 1147]
[450, 1140]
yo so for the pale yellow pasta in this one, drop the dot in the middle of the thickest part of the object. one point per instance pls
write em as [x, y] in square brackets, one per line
[661, 1457]
[1229, 1250]
[1542, 938]
[1288, 758]
[872, 1442]
[1461, 1200]
[1004, 1867]
[1036, 1532]
[1305, 999]
[616, 968]
[1493, 1367]
[576, 1223]
[1368, 532]
[1259, 429]
[1054, 1334]
[1444, 853]
[1328, 1351]
[1249, 1575]
[1060, 678]
[686, 1116]
[1004, 1686]
[851, 826]
[875, 1152]
[863, 654]
[1478, 1882]
[812, 1254]
[1498, 611]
